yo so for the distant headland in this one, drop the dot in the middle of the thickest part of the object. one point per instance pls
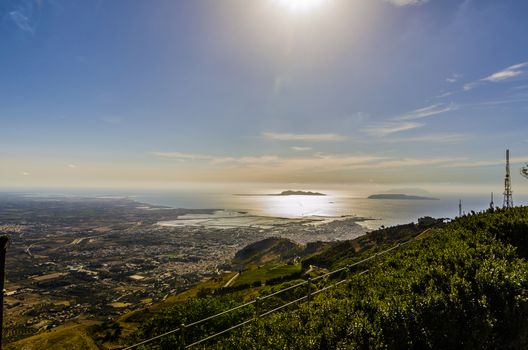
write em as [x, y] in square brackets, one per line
[400, 196]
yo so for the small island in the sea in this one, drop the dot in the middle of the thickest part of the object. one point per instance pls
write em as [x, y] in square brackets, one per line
[298, 193]
[286, 193]
[400, 196]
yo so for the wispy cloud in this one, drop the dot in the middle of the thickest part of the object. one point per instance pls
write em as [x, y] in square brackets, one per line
[387, 128]
[407, 2]
[508, 73]
[407, 121]
[428, 111]
[471, 86]
[302, 137]
[502, 75]
[319, 162]
[301, 149]
[485, 163]
[453, 78]
[446, 94]
[499, 102]
[183, 156]
[433, 138]
[72, 166]
[22, 21]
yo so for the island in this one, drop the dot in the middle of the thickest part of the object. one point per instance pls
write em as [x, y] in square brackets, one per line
[298, 193]
[400, 196]
[285, 193]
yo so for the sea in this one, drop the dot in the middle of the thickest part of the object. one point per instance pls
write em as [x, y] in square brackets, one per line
[380, 212]
[264, 205]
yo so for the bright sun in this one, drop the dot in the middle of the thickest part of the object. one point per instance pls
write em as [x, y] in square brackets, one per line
[297, 6]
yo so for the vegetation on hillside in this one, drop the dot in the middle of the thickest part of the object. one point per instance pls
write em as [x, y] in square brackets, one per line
[464, 286]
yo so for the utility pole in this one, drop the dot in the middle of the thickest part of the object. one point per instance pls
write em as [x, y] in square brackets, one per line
[460, 208]
[492, 204]
[4, 241]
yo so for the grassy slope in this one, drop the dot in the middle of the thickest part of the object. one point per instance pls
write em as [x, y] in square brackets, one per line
[72, 337]
[265, 273]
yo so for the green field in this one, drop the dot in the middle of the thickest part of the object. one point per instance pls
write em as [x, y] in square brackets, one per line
[265, 273]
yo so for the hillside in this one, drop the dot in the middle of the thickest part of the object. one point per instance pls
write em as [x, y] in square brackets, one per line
[271, 249]
[463, 286]
[72, 337]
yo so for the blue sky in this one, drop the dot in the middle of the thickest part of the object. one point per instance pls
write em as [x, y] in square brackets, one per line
[110, 93]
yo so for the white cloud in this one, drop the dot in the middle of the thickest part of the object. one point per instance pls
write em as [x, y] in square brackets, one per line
[470, 86]
[453, 78]
[499, 102]
[505, 74]
[446, 94]
[24, 173]
[433, 138]
[247, 160]
[486, 163]
[322, 162]
[21, 21]
[301, 149]
[508, 73]
[407, 2]
[388, 128]
[72, 166]
[302, 137]
[319, 162]
[183, 156]
[428, 111]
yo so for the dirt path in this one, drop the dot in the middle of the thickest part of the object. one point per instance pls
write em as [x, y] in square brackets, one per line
[232, 280]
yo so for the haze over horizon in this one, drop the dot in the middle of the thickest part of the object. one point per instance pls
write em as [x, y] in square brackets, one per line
[327, 92]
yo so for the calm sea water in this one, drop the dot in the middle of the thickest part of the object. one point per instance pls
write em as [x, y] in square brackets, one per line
[384, 212]
[335, 204]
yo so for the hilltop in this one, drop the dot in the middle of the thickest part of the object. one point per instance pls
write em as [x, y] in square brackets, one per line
[268, 250]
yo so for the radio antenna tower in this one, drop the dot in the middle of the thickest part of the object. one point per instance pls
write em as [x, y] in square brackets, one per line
[460, 208]
[492, 204]
[508, 197]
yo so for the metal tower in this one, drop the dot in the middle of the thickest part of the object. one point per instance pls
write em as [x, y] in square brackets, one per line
[492, 204]
[460, 208]
[508, 198]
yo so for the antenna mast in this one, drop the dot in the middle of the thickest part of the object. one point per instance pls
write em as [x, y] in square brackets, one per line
[508, 197]
[492, 204]
[460, 208]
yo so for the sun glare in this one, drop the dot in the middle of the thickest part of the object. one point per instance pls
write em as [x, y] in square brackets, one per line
[299, 6]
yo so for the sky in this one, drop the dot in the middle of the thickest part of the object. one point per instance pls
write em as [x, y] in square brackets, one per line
[161, 92]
